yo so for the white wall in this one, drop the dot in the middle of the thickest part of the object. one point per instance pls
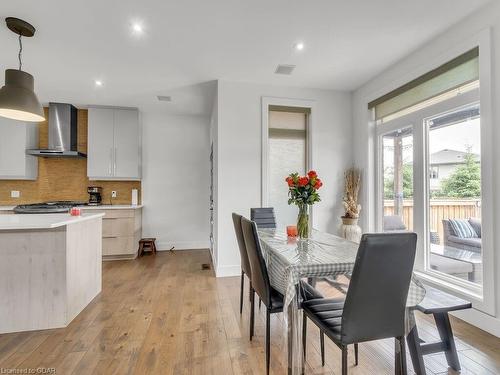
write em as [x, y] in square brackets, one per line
[239, 157]
[176, 180]
[402, 72]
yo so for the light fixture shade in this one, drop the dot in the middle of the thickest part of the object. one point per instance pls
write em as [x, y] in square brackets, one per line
[17, 98]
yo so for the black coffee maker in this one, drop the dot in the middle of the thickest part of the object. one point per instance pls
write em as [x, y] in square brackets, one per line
[95, 195]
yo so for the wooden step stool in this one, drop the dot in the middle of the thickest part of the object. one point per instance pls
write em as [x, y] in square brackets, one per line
[147, 243]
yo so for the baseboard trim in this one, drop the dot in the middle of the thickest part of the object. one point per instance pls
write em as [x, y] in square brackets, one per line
[228, 271]
[182, 245]
[480, 320]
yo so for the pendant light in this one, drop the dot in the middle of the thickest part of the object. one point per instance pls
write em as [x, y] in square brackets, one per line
[18, 100]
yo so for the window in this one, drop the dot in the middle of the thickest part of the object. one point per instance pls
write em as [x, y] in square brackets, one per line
[398, 179]
[454, 200]
[429, 171]
[433, 172]
[287, 153]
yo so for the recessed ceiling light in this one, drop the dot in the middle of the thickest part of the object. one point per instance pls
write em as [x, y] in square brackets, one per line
[98, 83]
[137, 27]
[299, 46]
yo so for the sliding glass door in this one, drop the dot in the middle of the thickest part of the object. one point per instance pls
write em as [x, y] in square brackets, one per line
[453, 141]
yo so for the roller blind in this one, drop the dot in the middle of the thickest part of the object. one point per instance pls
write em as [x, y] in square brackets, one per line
[456, 73]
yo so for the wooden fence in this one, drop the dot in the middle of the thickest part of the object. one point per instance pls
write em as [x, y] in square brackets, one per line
[439, 209]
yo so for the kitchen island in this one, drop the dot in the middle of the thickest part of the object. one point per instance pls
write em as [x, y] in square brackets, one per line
[50, 269]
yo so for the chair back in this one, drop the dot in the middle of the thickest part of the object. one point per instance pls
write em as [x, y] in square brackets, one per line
[264, 217]
[245, 265]
[376, 299]
[260, 278]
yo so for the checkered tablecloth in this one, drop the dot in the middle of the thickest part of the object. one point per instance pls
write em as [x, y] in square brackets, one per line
[323, 254]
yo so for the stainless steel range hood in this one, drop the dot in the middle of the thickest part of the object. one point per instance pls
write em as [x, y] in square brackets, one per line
[63, 130]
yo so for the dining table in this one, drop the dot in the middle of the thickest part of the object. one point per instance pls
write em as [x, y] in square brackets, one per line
[322, 255]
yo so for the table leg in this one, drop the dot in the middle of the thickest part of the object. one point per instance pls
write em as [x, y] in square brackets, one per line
[290, 333]
[294, 338]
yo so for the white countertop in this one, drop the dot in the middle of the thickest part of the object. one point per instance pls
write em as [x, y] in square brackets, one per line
[42, 221]
[101, 207]
[112, 207]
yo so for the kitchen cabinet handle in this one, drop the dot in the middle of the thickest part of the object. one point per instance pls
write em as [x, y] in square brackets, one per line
[110, 161]
[114, 163]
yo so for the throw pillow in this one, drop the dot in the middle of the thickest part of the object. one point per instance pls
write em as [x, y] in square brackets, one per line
[462, 228]
[476, 224]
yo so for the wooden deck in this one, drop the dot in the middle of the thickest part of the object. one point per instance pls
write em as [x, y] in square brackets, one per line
[165, 315]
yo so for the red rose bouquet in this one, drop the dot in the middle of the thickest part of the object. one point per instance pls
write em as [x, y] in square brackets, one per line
[303, 192]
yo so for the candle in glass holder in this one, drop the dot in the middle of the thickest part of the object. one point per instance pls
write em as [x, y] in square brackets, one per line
[291, 231]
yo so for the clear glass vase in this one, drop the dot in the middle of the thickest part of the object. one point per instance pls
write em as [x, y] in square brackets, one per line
[303, 221]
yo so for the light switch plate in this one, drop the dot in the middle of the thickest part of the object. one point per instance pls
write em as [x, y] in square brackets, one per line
[15, 194]
[113, 194]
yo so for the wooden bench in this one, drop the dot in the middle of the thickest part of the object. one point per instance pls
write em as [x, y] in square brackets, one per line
[437, 303]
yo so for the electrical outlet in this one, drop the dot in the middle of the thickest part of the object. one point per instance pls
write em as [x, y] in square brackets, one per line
[15, 194]
[113, 194]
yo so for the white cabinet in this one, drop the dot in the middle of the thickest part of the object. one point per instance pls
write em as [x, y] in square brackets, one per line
[114, 149]
[15, 138]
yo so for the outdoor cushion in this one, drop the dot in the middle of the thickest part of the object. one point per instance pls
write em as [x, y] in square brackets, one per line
[476, 224]
[393, 223]
[472, 242]
[462, 228]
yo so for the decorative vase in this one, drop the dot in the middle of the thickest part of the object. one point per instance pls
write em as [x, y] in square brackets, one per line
[350, 229]
[303, 221]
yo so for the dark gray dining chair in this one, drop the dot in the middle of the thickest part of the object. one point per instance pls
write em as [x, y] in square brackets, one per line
[264, 217]
[374, 307]
[245, 265]
[272, 299]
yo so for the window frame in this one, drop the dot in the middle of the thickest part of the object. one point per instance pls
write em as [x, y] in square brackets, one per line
[483, 296]
[266, 102]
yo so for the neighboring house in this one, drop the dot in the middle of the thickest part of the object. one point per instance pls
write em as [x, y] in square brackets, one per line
[443, 163]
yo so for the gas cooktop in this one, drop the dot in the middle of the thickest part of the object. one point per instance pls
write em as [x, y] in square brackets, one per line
[47, 207]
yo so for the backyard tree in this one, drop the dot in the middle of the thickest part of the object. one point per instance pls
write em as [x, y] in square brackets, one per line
[465, 181]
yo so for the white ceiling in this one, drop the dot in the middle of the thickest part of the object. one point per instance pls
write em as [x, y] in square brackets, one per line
[189, 42]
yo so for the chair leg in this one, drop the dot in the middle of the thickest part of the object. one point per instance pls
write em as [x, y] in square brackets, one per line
[446, 334]
[344, 360]
[356, 354]
[268, 339]
[241, 291]
[399, 356]
[416, 352]
[252, 312]
[404, 369]
[322, 346]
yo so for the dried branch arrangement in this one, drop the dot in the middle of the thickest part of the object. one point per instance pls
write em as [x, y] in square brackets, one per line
[352, 178]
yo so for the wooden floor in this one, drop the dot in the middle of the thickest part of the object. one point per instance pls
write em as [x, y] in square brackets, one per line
[165, 315]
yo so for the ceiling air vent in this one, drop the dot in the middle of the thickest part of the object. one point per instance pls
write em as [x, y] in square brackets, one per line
[163, 98]
[284, 69]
